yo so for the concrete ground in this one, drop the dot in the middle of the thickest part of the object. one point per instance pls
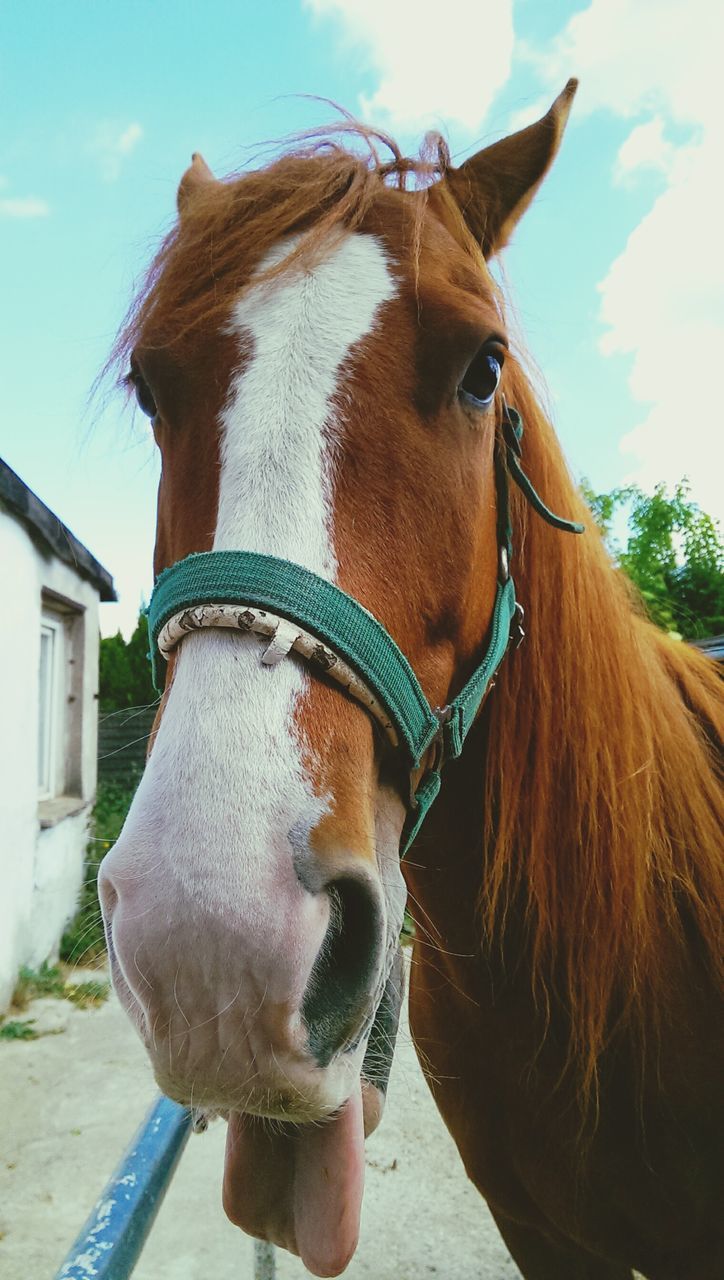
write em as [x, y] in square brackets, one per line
[70, 1102]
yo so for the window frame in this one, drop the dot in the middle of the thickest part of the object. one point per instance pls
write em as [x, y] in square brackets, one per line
[51, 707]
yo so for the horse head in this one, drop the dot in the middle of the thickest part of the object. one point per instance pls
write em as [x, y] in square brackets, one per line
[322, 354]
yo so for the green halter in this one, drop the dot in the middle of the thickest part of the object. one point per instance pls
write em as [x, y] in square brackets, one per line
[345, 627]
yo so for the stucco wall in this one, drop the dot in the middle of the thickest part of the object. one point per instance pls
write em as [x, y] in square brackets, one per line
[40, 871]
[59, 853]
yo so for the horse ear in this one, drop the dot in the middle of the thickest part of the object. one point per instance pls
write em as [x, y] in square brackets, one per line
[197, 175]
[494, 187]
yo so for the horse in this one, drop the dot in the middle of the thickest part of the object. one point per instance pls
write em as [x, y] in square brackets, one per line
[341, 412]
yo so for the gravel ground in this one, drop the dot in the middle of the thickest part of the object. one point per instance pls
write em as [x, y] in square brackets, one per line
[71, 1101]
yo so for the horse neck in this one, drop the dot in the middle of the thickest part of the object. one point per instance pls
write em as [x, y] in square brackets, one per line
[601, 817]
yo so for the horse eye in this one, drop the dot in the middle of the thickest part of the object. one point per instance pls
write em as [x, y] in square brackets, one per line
[482, 377]
[146, 402]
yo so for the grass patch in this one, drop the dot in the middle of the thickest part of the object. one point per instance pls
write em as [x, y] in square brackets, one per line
[83, 939]
[50, 980]
[17, 1030]
[14, 1030]
[45, 981]
[87, 995]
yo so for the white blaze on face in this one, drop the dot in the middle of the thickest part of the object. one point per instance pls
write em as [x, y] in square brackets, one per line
[278, 430]
[208, 901]
[225, 783]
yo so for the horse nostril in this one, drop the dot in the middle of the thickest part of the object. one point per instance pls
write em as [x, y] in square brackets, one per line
[107, 895]
[345, 971]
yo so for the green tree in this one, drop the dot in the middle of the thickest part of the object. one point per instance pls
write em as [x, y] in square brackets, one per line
[125, 671]
[139, 665]
[674, 554]
[114, 676]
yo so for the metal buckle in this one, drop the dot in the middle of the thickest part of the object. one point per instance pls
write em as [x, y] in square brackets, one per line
[503, 564]
[443, 716]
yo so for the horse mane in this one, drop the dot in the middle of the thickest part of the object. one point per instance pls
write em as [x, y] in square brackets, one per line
[602, 789]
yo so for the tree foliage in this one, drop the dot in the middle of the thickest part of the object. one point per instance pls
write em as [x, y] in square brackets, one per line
[125, 671]
[674, 554]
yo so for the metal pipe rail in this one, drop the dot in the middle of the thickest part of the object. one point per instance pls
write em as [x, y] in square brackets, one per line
[110, 1242]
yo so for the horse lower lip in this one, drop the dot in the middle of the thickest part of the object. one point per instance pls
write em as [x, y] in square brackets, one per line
[281, 1111]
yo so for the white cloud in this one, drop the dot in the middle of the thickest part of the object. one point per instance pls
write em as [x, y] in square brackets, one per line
[128, 139]
[432, 66]
[110, 146]
[644, 148]
[659, 63]
[23, 207]
[638, 56]
[662, 303]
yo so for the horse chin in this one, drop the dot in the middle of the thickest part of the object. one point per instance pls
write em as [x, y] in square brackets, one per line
[301, 1186]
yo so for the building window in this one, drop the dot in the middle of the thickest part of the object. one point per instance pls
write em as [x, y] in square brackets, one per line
[51, 707]
[58, 701]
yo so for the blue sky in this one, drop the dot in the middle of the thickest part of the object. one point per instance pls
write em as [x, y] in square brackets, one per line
[616, 273]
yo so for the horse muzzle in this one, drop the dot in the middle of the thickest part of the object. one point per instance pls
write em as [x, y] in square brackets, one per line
[266, 1009]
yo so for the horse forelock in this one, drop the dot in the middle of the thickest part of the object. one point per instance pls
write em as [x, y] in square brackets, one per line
[323, 182]
[603, 808]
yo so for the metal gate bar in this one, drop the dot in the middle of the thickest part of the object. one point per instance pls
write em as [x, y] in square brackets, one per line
[109, 1245]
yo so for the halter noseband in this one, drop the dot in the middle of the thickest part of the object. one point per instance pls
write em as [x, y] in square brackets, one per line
[297, 610]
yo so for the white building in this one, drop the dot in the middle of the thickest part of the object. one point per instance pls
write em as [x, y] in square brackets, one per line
[50, 588]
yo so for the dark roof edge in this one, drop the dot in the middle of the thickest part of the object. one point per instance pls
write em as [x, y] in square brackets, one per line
[26, 505]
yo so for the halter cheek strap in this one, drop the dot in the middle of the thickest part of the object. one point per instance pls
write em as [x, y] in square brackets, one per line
[295, 610]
